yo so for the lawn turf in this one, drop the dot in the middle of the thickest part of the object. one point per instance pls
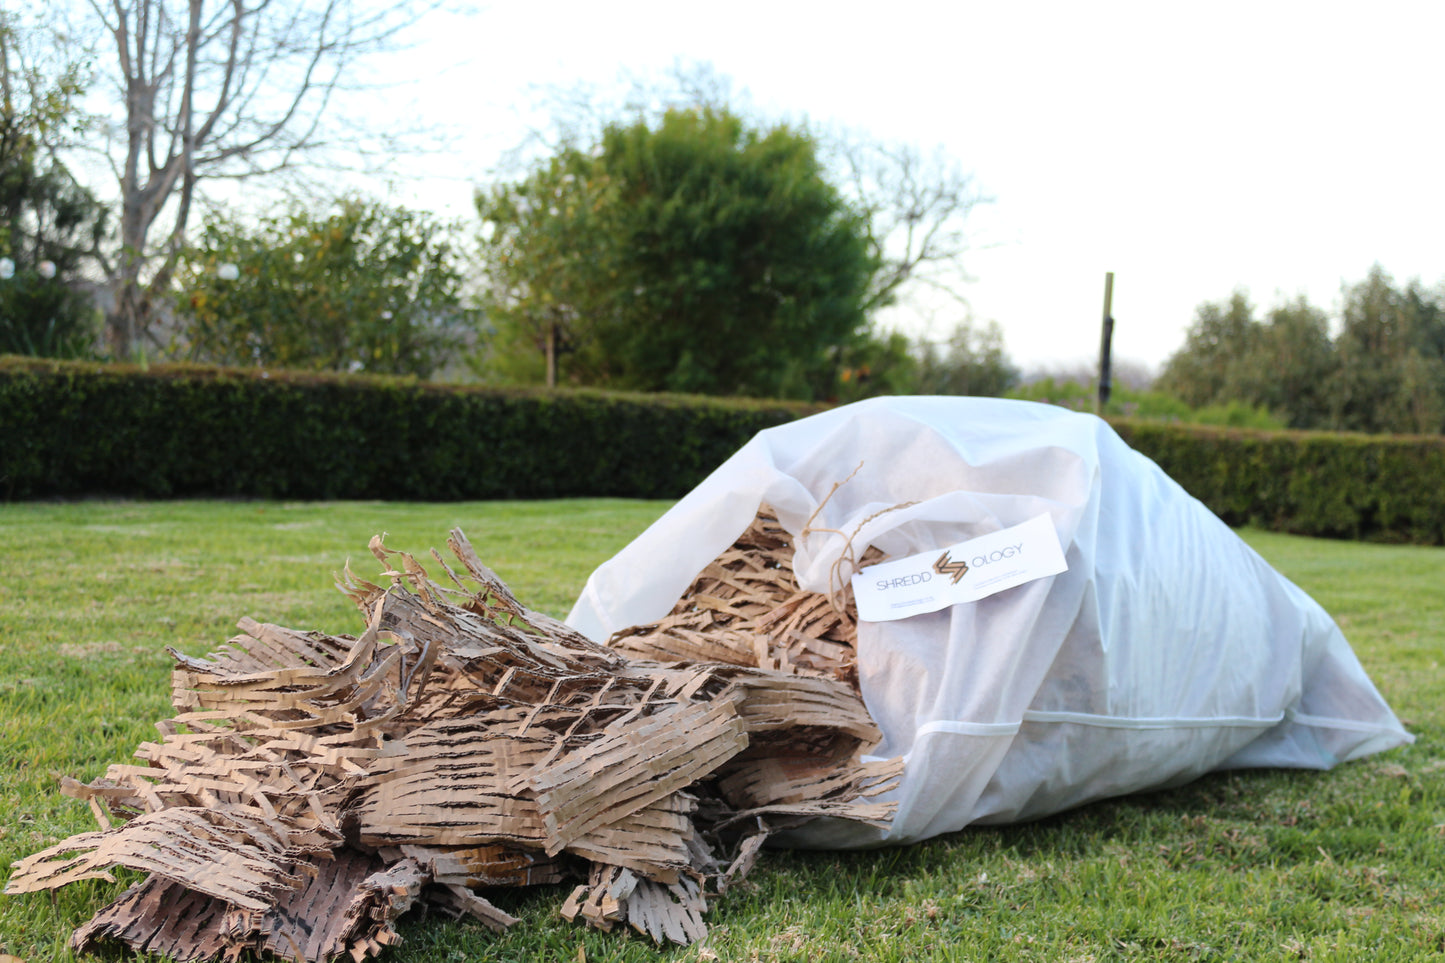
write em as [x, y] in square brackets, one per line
[1344, 865]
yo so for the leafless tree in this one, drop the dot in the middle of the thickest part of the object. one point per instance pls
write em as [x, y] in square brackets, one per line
[211, 90]
[560, 116]
[917, 205]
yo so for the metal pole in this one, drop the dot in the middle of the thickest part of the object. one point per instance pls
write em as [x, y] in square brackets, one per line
[1106, 340]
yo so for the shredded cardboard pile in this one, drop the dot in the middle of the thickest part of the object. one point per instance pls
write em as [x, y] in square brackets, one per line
[311, 789]
[746, 609]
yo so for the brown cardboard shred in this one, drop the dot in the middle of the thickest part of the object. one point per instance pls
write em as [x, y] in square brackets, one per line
[161, 917]
[746, 609]
[311, 789]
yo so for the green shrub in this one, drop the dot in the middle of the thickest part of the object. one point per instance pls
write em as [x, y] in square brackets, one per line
[1334, 485]
[70, 429]
[1235, 414]
[74, 429]
[1126, 402]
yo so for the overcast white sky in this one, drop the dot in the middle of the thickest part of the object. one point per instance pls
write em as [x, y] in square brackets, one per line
[1188, 148]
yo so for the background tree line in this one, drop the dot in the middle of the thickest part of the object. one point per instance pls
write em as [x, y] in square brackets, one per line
[1382, 371]
[670, 242]
[125, 122]
[49, 224]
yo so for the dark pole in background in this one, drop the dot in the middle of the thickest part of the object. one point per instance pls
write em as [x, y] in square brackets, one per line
[1105, 345]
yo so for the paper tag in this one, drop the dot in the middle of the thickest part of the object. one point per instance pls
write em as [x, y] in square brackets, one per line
[965, 572]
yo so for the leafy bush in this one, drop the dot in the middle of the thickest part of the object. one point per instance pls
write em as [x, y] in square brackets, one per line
[357, 286]
[1383, 371]
[49, 225]
[699, 253]
[1234, 414]
[1336, 485]
[74, 429]
[1126, 402]
[45, 318]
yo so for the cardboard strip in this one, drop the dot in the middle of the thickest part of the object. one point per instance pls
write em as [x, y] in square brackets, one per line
[310, 789]
[654, 842]
[669, 913]
[337, 909]
[222, 853]
[599, 902]
[484, 866]
[461, 900]
[746, 609]
[162, 917]
[633, 765]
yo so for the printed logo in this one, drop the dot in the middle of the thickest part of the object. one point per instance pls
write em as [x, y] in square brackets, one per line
[928, 581]
[946, 566]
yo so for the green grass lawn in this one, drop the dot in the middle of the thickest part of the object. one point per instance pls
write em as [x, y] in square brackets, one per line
[1345, 865]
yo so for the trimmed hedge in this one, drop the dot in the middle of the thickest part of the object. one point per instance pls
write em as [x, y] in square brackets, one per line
[79, 429]
[1325, 484]
[73, 429]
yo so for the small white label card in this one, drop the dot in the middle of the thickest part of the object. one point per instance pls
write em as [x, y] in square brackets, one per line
[965, 572]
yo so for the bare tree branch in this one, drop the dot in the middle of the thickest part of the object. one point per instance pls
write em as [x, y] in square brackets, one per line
[918, 208]
[218, 90]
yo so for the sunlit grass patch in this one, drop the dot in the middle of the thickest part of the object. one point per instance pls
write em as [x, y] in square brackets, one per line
[1266, 865]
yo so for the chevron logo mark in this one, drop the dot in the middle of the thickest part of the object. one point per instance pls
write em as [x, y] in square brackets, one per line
[946, 566]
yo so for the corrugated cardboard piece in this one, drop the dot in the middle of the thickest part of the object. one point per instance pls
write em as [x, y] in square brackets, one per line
[311, 789]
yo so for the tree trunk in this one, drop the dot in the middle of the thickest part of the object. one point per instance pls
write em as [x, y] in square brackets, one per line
[125, 322]
[551, 350]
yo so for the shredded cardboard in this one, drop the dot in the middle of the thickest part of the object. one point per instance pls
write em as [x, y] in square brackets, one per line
[746, 609]
[312, 789]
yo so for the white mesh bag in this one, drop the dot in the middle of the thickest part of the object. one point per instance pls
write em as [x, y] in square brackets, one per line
[1167, 649]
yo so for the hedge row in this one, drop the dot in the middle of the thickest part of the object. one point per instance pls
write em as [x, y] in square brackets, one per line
[77, 429]
[72, 429]
[1332, 485]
